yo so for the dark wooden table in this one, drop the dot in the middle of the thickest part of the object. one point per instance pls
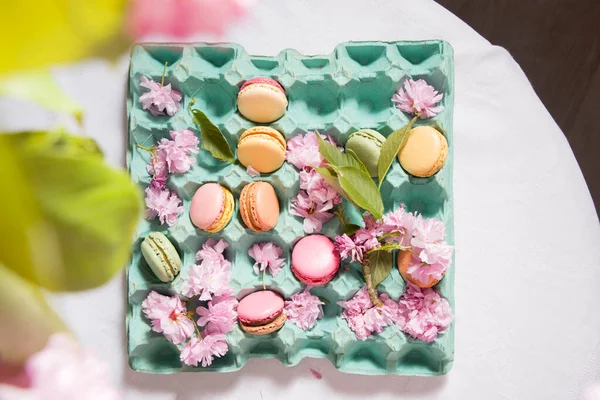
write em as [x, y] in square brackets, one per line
[557, 43]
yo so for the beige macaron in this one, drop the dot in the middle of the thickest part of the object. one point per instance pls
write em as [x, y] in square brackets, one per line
[425, 151]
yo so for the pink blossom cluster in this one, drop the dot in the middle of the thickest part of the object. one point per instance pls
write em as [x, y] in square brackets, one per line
[160, 99]
[423, 313]
[169, 156]
[211, 277]
[431, 255]
[418, 98]
[267, 256]
[316, 199]
[420, 313]
[183, 18]
[304, 309]
[210, 282]
[61, 370]
[365, 319]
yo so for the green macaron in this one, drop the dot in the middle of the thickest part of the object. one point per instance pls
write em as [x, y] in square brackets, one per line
[161, 256]
[366, 143]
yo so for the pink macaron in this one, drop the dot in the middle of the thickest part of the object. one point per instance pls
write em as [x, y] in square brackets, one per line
[212, 207]
[261, 312]
[314, 260]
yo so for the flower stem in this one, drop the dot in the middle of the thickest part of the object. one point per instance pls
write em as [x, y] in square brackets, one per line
[148, 149]
[339, 212]
[162, 81]
[196, 327]
[370, 289]
[263, 279]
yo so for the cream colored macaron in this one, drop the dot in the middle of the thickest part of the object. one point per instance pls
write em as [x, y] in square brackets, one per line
[262, 100]
[425, 151]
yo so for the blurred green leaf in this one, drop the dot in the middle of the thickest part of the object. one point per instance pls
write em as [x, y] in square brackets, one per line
[27, 320]
[67, 218]
[39, 87]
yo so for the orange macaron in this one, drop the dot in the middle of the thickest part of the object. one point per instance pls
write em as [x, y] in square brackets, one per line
[262, 148]
[259, 206]
[404, 259]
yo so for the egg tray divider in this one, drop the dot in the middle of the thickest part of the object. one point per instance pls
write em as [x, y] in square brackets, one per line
[339, 93]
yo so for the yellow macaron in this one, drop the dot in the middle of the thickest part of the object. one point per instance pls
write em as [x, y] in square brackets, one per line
[262, 148]
[425, 151]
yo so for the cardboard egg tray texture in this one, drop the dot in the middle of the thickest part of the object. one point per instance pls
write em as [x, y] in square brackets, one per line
[337, 94]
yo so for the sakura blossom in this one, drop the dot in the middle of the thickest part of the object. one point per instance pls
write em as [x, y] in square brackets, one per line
[159, 100]
[267, 256]
[168, 315]
[418, 98]
[304, 309]
[164, 204]
[423, 313]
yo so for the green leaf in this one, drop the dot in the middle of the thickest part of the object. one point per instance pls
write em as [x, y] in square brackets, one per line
[331, 178]
[390, 149]
[361, 190]
[27, 320]
[359, 163]
[39, 87]
[336, 158]
[350, 229]
[67, 218]
[213, 139]
[380, 263]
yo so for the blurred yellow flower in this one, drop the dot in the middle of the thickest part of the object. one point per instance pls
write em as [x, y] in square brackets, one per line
[37, 33]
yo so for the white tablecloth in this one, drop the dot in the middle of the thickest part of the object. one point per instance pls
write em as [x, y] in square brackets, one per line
[527, 236]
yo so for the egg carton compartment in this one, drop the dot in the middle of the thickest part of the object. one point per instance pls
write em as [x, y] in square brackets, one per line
[349, 89]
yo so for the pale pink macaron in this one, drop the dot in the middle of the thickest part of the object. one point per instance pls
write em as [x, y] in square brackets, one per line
[314, 260]
[261, 312]
[212, 207]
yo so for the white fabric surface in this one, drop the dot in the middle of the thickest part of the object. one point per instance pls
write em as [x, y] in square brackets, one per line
[527, 236]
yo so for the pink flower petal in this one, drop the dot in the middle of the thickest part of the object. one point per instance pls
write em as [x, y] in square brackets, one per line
[315, 373]
[252, 172]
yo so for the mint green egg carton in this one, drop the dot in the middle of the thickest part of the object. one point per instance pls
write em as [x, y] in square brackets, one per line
[337, 94]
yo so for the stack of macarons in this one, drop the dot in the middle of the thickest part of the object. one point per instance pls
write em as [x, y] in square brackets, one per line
[262, 100]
